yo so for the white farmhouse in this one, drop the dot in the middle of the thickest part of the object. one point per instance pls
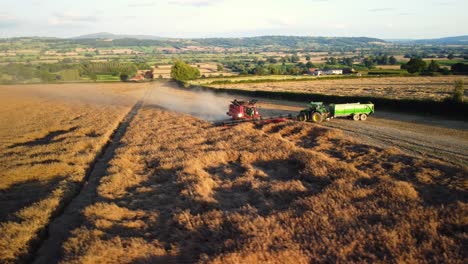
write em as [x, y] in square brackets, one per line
[333, 72]
[327, 72]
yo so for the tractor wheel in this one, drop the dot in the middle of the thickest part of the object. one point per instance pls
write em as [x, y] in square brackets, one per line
[363, 117]
[302, 117]
[316, 117]
[356, 117]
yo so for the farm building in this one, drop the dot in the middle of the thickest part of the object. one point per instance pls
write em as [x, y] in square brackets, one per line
[318, 72]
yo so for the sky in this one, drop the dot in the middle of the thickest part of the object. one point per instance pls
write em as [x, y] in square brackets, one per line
[396, 19]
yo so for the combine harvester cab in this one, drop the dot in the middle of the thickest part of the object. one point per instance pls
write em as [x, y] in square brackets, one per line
[241, 110]
[318, 112]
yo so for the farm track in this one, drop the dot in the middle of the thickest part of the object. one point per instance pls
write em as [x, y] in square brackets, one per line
[69, 216]
[437, 147]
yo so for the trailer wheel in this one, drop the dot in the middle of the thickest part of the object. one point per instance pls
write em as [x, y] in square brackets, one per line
[316, 117]
[363, 117]
[356, 117]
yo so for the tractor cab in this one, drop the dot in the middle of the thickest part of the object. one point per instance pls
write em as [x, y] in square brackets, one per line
[316, 106]
[243, 110]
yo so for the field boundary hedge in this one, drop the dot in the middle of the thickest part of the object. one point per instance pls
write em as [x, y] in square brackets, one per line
[447, 108]
[299, 79]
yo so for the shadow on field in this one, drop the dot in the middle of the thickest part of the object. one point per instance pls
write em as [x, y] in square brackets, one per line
[208, 226]
[20, 195]
[163, 196]
[435, 182]
[447, 186]
[45, 140]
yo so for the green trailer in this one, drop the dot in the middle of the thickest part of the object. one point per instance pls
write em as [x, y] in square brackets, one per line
[318, 112]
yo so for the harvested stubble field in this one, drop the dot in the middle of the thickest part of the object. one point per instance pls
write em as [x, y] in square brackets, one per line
[175, 189]
[434, 88]
[49, 136]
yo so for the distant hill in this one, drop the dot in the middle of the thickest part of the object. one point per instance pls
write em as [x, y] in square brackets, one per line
[288, 41]
[249, 42]
[106, 35]
[458, 40]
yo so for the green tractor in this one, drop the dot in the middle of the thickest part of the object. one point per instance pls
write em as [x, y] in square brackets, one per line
[318, 112]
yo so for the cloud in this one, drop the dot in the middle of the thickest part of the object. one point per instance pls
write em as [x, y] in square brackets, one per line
[340, 26]
[381, 9]
[8, 21]
[71, 18]
[444, 3]
[282, 22]
[143, 4]
[194, 3]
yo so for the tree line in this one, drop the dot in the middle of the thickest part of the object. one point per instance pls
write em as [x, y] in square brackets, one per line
[19, 72]
[418, 65]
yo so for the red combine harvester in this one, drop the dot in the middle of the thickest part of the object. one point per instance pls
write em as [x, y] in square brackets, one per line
[242, 110]
[246, 111]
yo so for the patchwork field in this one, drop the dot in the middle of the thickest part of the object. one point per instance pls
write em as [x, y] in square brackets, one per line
[209, 70]
[172, 188]
[436, 88]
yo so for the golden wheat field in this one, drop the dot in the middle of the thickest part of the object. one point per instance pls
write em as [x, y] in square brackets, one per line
[49, 135]
[173, 188]
[434, 88]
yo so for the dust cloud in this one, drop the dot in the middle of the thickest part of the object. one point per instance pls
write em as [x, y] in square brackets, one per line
[202, 104]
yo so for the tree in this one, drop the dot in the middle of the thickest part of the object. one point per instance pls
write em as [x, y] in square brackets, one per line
[458, 91]
[382, 60]
[295, 71]
[46, 76]
[450, 56]
[332, 61]
[67, 60]
[260, 70]
[433, 66]
[181, 71]
[392, 60]
[309, 65]
[295, 58]
[275, 70]
[307, 57]
[369, 62]
[220, 67]
[414, 65]
[272, 60]
[123, 77]
[459, 68]
[347, 62]
[149, 75]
